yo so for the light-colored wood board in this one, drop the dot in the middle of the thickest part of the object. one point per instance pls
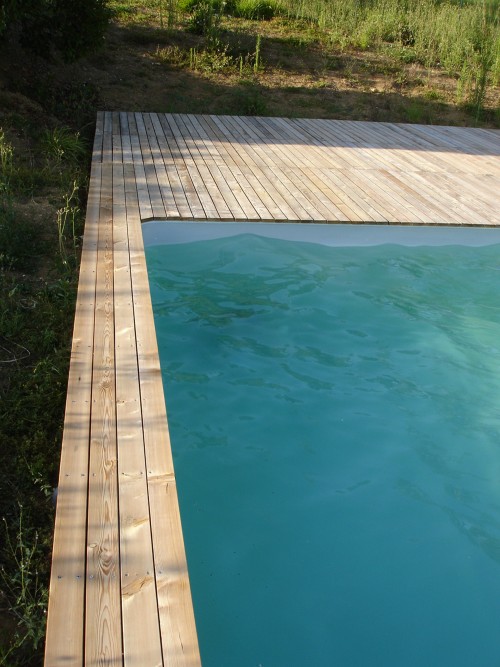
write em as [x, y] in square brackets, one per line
[385, 149]
[329, 154]
[107, 138]
[310, 187]
[448, 151]
[103, 623]
[208, 193]
[210, 196]
[117, 137]
[196, 206]
[405, 211]
[141, 632]
[199, 203]
[98, 138]
[132, 125]
[270, 171]
[254, 155]
[154, 191]
[450, 204]
[197, 129]
[384, 152]
[261, 195]
[333, 178]
[126, 143]
[385, 144]
[475, 191]
[142, 134]
[139, 171]
[340, 142]
[161, 194]
[250, 195]
[142, 190]
[470, 137]
[345, 214]
[195, 145]
[308, 144]
[443, 207]
[360, 178]
[227, 145]
[218, 196]
[172, 184]
[232, 193]
[268, 151]
[431, 211]
[327, 141]
[66, 611]
[216, 183]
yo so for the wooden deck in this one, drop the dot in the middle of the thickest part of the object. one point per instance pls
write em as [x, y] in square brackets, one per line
[119, 592]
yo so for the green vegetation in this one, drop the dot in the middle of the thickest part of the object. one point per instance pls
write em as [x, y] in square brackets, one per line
[454, 40]
[39, 252]
[463, 39]
[45, 26]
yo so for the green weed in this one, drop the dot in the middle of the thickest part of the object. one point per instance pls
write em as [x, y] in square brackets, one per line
[67, 221]
[173, 55]
[23, 587]
[211, 61]
[35, 325]
[62, 145]
[6, 163]
[256, 10]
[257, 62]
[249, 100]
[463, 37]
[19, 236]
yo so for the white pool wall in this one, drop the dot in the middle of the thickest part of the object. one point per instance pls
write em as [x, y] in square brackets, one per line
[172, 232]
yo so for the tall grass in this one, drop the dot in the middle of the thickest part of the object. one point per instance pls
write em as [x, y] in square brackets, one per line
[462, 37]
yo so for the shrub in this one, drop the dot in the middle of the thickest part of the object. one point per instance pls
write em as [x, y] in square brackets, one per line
[70, 27]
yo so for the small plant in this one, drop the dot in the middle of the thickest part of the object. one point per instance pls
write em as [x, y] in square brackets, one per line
[67, 218]
[63, 145]
[210, 60]
[27, 597]
[256, 10]
[250, 100]
[6, 163]
[205, 19]
[257, 55]
[168, 7]
[173, 55]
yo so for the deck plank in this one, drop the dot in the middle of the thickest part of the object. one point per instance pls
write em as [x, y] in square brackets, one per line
[141, 641]
[103, 623]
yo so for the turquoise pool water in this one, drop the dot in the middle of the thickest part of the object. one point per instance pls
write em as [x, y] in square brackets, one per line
[335, 423]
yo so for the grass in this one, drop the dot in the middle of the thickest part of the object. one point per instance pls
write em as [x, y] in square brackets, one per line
[461, 38]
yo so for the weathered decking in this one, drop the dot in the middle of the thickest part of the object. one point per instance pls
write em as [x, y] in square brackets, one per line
[119, 591]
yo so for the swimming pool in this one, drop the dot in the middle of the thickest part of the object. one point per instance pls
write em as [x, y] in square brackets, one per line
[343, 507]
